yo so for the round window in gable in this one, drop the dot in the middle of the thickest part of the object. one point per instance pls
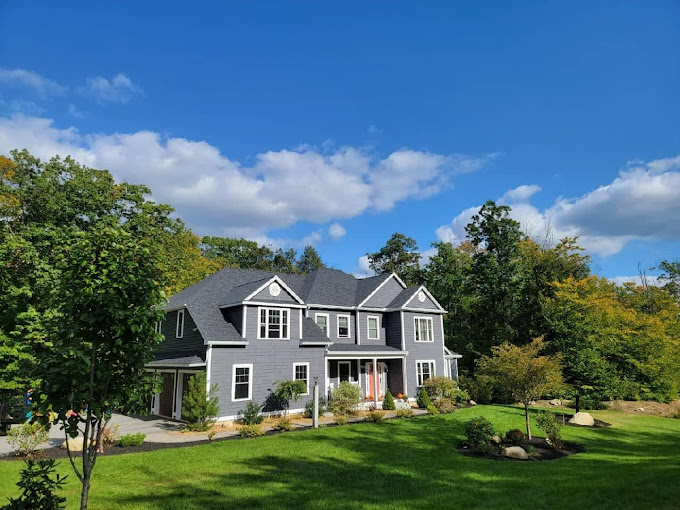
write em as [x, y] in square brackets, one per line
[274, 289]
[421, 296]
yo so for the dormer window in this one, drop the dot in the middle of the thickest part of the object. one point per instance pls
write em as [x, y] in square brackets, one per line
[179, 332]
[343, 326]
[274, 323]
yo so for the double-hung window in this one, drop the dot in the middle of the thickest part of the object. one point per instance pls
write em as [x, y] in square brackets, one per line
[423, 329]
[179, 333]
[274, 323]
[425, 370]
[343, 326]
[242, 383]
[301, 373]
[373, 327]
[322, 321]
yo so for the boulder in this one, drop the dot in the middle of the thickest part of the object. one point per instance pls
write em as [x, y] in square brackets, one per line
[473, 403]
[496, 439]
[515, 452]
[75, 444]
[640, 410]
[556, 402]
[582, 418]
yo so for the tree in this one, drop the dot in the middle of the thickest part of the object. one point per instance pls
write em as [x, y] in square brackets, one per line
[400, 255]
[309, 260]
[199, 406]
[523, 372]
[241, 253]
[284, 261]
[670, 277]
[289, 390]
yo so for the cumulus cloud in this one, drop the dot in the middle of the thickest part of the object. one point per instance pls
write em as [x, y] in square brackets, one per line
[336, 231]
[363, 269]
[215, 194]
[643, 202]
[21, 78]
[118, 89]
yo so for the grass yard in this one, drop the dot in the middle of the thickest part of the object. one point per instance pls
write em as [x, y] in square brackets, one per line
[395, 464]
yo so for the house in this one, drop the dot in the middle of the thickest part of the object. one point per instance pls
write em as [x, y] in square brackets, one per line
[248, 329]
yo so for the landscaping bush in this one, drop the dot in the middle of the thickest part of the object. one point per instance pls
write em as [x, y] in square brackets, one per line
[588, 404]
[478, 433]
[289, 390]
[480, 389]
[445, 405]
[309, 408]
[341, 419]
[283, 425]
[110, 435]
[443, 387]
[345, 398]
[132, 440]
[423, 400]
[252, 416]
[374, 416]
[200, 407]
[404, 413]
[515, 436]
[432, 409]
[388, 403]
[253, 430]
[38, 487]
[549, 424]
[26, 438]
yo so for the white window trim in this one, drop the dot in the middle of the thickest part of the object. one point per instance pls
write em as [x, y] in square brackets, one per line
[433, 372]
[328, 322]
[368, 329]
[349, 365]
[250, 382]
[349, 325]
[259, 315]
[415, 329]
[295, 365]
[179, 331]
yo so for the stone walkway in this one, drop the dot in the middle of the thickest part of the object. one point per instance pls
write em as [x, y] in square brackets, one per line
[158, 430]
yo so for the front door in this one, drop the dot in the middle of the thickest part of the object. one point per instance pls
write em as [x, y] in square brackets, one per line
[370, 379]
[166, 395]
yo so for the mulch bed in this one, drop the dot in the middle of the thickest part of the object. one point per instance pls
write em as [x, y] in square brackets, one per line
[599, 424]
[542, 451]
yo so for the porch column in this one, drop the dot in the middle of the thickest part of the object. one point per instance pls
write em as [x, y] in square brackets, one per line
[375, 382]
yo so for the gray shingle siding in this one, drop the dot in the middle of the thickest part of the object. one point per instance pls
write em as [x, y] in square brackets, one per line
[428, 303]
[283, 297]
[422, 351]
[392, 327]
[390, 290]
[253, 323]
[363, 328]
[191, 339]
[333, 324]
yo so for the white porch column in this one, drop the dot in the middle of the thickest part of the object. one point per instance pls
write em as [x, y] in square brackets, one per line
[375, 382]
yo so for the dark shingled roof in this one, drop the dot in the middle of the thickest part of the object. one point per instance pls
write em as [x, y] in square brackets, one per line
[184, 358]
[403, 297]
[312, 333]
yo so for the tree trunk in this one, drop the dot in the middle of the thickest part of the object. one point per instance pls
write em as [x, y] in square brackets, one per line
[85, 492]
[577, 403]
[526, 418]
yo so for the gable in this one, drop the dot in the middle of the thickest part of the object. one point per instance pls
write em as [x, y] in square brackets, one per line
[415, 302]
[390, 289]
[267, 294]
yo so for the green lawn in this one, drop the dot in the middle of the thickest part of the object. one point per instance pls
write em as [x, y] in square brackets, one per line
[395, 464]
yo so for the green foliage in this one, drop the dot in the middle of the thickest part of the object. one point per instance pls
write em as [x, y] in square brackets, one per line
[549, 424]
[253, 430]
[514, 436]
[432, 409]
[341, 419]
[479, 388]
[441, 387]
[670, 277]
[26, 438]
[478, 432]
[588, 403]
[400, 255]
[445, 405]
[199, 407]
[132, 440]
[251, 415]
[309, 260]
[374, 416]
[309, 408]
[289, 390]
[423, 400]
[405, 413]
[388, 402]
[38, 485]
[283, 425]
[345, 398]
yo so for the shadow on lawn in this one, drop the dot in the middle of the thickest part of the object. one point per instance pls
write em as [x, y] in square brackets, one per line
[413, 464]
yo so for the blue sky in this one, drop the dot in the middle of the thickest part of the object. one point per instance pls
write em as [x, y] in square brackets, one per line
[339, 124]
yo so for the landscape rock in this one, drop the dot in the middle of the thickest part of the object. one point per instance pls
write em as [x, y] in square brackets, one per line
[582, 418]
[473, 403]
[515, 452]
[75, 444]
[640, 410]
[327, 414]
[496, 439]
[556, 402]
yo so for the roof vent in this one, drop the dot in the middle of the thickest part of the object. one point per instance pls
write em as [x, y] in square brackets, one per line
[274, 289]
[421, 296]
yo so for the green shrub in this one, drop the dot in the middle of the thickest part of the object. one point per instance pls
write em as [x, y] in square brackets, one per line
[374, 416]
[388, 403]
[289, 390]
[588, 404]
[253, 430]
[549, 424]
[445, 405]
[480, 389]
[341, 419]
[529, 448]
[252, 416]
[442, 387]
[478, 433]
[26, 438]
[404, 413]
[132, 440]
[423, 400]
[38, 487]
[404, 397]
[200, 407]
[309, 408]
[432, 409]
[283, 425]
[514, 436]
[345, 398]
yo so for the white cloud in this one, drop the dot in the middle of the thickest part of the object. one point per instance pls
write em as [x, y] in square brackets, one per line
[31, 80]
[637, 280]
[215, 194]
[24, 107]
[75, 112]
[363, 269]
[336, 231]
[643, 202]
[118, 89]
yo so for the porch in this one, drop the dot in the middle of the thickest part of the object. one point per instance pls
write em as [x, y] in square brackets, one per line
[374, 369]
